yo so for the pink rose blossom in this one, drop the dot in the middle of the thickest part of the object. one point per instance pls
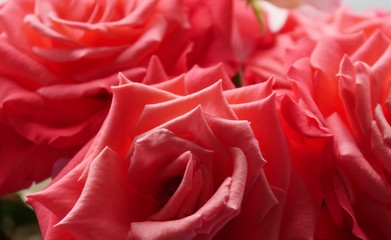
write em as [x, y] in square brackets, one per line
[179, 165]
[270, 58]
[345, 21]
[183, 157]
[344, 82]
[59, 60]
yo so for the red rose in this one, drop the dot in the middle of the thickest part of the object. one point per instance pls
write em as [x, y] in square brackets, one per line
[60, 59]
[187, 166]
[345, 21]
[272, 58]
[344, 82]
[269, 56]
[181, 165]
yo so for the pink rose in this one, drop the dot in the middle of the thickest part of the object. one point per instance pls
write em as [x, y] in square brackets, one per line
[247, 34]
[345, 21]
[59, 61]
[188, 167]
[89, 40]
[271, 59]
[344, 83]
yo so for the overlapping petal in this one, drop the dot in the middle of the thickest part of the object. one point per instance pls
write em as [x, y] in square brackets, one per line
[59, 61]
[345, 84]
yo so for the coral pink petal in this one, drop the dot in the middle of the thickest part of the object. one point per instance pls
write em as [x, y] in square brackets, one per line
[353, 161]
[278, 158]
[249, 93]
[199, 78]
[302, 121]
[106, 182]
[211, 100]
[134, 97]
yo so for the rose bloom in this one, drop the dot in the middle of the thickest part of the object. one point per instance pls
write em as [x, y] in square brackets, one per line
[59, 60]
[269, 59]
[345, 21]
[344, 82]
[183, 159]
[268, 53]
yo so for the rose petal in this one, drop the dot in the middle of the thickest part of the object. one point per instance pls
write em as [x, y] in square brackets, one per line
[274, 148]
[13, 60]
[180, 229]
[155, 72]
[368, 53]
[175, 85]
[155, 151]
[353, 161]
[210, 98]
[182, 203]
[105, 183]
[249, 93]
[302, 121]
[132, 96]
[199, 78]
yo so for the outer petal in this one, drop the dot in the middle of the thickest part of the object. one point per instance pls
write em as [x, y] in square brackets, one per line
[106, 183]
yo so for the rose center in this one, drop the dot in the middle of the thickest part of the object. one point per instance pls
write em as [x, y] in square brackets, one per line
[168, 189]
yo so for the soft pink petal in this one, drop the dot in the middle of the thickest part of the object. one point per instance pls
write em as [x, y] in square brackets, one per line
[35, 23]
[22, 162]
[383, 125]
[381, 150]
[155, 72]
[175, 85]
[132, 96]
[106, 183]
[155, 151]
[211, 99]
[12, 19]
[249, 93]
[204, 137]
[59, 55]
[301, 76]
[329, 51]
[75, 91]
[174, 229]
[274, 147]
[302, 121]
[183, 202]
[353, 161]
[13, 60]
[301, 210]
[241, 136]
[260, 216]
[198, 78]
[363, 97]
[368, 53]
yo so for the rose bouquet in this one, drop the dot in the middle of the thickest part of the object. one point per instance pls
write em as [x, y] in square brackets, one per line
[197, 119]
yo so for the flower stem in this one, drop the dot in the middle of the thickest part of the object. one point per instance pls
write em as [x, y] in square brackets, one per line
[259, 14]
